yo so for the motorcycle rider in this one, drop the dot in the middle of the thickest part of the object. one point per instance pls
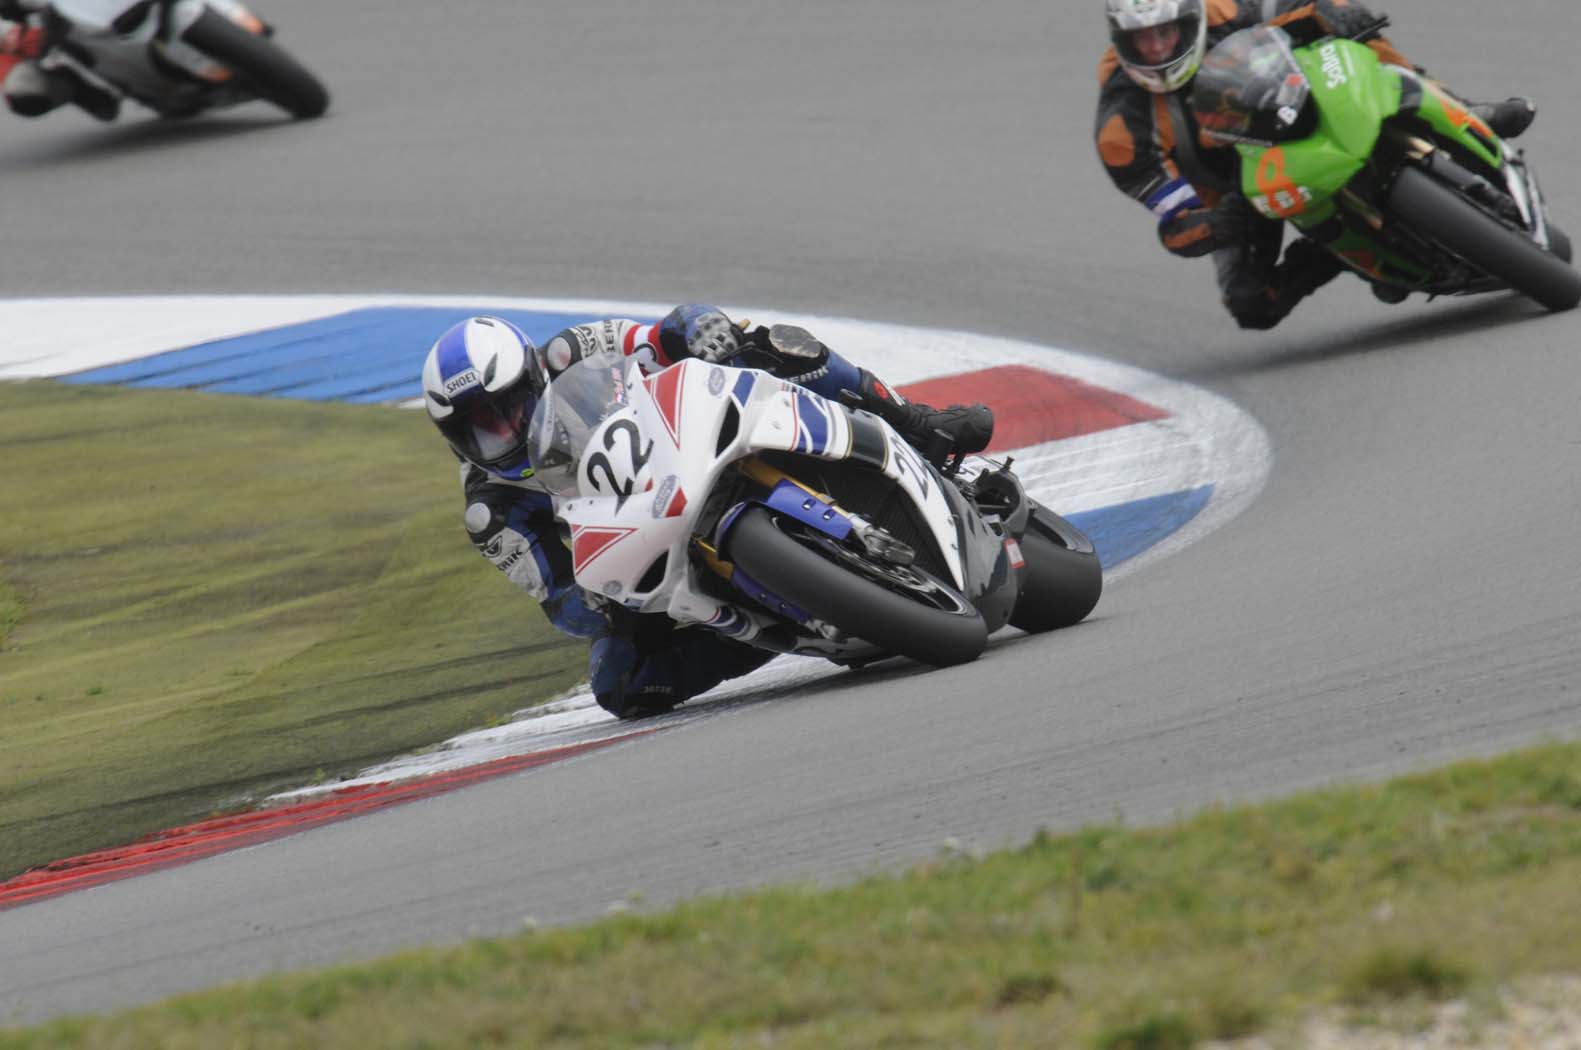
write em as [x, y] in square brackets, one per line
[481, 381]
[32, 89]
[1149, 142]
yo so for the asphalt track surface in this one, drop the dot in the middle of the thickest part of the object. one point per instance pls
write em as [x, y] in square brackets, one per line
[1406, 591]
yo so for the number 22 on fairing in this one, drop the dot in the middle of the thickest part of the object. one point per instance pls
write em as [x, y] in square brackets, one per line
[618, 475]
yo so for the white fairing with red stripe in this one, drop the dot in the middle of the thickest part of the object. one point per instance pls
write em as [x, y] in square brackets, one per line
[647, 470]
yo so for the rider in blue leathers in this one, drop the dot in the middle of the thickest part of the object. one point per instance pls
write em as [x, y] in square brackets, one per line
[481, 381]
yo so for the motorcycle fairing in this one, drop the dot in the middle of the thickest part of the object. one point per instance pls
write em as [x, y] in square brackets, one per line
[678, 432]
[1357, 95]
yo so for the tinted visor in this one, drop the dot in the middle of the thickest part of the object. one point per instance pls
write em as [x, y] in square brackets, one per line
[491, 429]
[1157, 46]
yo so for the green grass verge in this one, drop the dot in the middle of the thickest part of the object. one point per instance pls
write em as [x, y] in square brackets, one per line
[205, 597]
[1228, 923]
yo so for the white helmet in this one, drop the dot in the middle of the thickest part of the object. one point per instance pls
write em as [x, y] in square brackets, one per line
[481, 381]
[1160, 42]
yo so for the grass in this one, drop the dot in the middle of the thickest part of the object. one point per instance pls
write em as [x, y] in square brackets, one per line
[1230, 923]
[204, 597]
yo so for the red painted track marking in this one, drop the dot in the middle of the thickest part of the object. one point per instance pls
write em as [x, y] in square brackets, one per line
[1032, 406]
[174, 846]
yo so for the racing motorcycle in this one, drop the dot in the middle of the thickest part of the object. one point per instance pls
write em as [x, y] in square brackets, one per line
[1382, 167]
[180, 57]
[733, 499]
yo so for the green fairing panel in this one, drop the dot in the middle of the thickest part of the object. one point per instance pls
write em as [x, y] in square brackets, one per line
[1354, 95]
[1456, 123]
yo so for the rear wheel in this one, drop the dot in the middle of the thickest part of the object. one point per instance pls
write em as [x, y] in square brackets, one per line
[261, 64]
[1507, 254]
[900, 610]
[1061, 582]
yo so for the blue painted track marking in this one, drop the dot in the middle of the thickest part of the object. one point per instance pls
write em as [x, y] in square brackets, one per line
[369, 355]
[1125, 530]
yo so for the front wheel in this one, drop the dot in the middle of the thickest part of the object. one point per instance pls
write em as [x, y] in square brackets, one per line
[261, 64]
[1441, 213]
[949, 632]
[1559, 243]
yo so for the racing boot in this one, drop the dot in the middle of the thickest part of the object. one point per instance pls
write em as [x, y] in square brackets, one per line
[1388, 293]
[1509, 118]
[970, 427]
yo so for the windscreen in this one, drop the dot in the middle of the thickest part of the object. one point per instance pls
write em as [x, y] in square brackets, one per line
[1250, 89]
[577, 401]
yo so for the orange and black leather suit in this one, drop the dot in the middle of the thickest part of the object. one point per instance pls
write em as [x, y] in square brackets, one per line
[1150, 146]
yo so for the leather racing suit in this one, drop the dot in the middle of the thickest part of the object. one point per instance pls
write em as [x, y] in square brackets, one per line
[1150, 147]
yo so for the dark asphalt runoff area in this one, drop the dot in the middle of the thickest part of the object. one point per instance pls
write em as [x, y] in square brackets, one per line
[1406, 591]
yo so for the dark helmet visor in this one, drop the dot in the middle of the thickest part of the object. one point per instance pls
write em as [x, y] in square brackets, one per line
[490, 430]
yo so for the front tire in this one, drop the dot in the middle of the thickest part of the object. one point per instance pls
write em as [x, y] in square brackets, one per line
[1439, 212]
[1559, 243]
[261, 64]
[1061, 582]
[856, 605]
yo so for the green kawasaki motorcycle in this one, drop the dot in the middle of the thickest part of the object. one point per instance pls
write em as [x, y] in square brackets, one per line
[1382, 167]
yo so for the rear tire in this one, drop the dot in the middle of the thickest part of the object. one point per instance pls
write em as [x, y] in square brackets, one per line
[1060, 585]
[860, 607]
[261, 64]
[1439, 212]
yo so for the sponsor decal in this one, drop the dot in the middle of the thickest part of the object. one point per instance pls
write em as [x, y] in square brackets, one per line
[716, 381]
[1282, 203]
[1012, 548]
[661, 499]
[1333, 66]
[462, 381]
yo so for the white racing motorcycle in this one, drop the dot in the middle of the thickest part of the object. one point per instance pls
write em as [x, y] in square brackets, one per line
[729, 498]
[179, 57]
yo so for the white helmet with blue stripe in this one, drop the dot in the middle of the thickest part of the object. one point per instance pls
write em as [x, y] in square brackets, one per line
[481, 381]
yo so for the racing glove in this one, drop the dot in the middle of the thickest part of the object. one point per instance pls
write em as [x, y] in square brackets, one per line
[699, 331]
